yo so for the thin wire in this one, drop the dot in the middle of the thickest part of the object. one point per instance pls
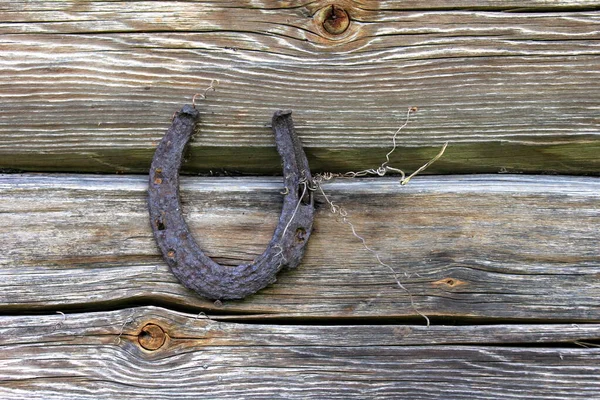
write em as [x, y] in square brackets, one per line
[404, 181]
[387, 156]
[296, 209]
[213, 86]
[380, 171]
[335, 209]
[384, 168]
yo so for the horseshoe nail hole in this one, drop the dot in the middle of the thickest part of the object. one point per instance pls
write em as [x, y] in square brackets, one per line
[300, 235]
[171, 253]
[158, 181]
[158, 170]
[160, 225]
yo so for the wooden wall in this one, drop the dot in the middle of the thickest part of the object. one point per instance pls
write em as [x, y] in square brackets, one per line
[498, 245]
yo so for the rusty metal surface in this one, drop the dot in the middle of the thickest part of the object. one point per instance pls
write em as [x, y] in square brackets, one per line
[181, 252]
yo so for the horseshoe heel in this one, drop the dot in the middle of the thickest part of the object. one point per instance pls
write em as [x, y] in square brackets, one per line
[188, 263]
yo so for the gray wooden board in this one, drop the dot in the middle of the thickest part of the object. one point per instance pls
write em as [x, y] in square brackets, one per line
[91, 86]
[98, 356]
[472, 247]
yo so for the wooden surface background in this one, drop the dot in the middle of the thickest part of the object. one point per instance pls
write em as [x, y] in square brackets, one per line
[506, 266]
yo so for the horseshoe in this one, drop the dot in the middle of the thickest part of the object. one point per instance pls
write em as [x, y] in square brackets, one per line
[187, 261]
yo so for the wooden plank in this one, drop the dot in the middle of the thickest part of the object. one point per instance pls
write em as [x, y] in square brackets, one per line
[91, 86]
[481, 247]
[99, 356]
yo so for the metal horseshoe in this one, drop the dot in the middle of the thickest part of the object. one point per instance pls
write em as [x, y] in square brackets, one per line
[188, 263]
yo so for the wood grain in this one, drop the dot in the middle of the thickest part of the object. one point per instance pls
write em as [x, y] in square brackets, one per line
[466, 247]
[91, 86]
[507, 267]
[98, 356]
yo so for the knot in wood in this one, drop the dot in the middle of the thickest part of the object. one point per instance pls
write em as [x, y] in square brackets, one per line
[152, 337]
[449, 282]
[336, 20]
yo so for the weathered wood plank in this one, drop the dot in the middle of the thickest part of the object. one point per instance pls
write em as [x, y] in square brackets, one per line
[99, 356]
[478, 247]
[91, 86]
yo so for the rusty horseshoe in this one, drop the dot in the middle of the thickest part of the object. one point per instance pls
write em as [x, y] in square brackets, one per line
[188, 263]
